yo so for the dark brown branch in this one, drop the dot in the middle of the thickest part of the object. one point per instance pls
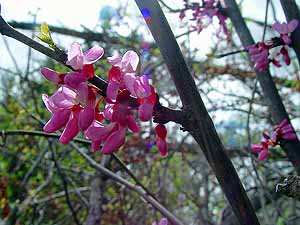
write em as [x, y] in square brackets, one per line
[200, 124]
[86, 35]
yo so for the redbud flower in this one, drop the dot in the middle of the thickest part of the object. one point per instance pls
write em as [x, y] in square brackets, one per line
[77, 59]
[182, 14]
[122, 74]
[285, 29]
[283, 131]
[262, 149]
[161, 133]
[65, 109]
[259, 54]
[285, 56]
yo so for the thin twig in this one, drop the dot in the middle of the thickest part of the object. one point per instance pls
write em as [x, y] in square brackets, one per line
[130, 186]
[65, 185]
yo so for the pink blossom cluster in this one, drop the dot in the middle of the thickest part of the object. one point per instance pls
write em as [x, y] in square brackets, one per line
[283, 131]
[163, 221]
[75, 107]
[260, 52]
[207, 10]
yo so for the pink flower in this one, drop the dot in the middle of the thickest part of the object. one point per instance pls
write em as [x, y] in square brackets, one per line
[282, 131]
[53, 76]
[161, 134]
[65, 107]
[112, 136]
[73, 79]
[262, 149]
[163, 221]
[145, 109]
[122, 74]
[285, 56]
[77, 59]
[259, 54]
[285, 131]
[285, 29]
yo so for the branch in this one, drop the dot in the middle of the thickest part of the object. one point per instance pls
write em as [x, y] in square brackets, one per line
[140, 186]
[86, 35]
[272, 97]
[155, 204]
[65, 186]
[61, 57]
[97, 196]
[200, 124]
[4, 133]
[215, 70]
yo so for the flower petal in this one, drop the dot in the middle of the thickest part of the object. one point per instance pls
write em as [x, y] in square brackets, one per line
[57, 121]
[289, 136]
[65, 98]
[87, 115]
[129, 62]
[142, 87]
[74, 50]
[256, 148]
[263, 155]
[277, 27]
[162, 146]
[112, 90]
[49, 104]
[73, 79]
[115, 60]
[52, 75]
[161, 131]
[72, 128]
[129, 80]
[83, 92]
[145, 111]
[98, 131]
[75, 56]
[292, 25]
[92, 55]
[132, 125]
[114, 141]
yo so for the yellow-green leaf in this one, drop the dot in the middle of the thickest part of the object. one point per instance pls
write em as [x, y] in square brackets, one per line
[45, 29]
[45, 39]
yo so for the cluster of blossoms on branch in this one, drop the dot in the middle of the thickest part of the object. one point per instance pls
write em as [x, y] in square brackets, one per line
[283, 131]
[207, 10]
[260, 52]
[75, 105]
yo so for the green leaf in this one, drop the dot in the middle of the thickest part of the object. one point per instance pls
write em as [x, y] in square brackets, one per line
[45, 39]
[45, 29]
